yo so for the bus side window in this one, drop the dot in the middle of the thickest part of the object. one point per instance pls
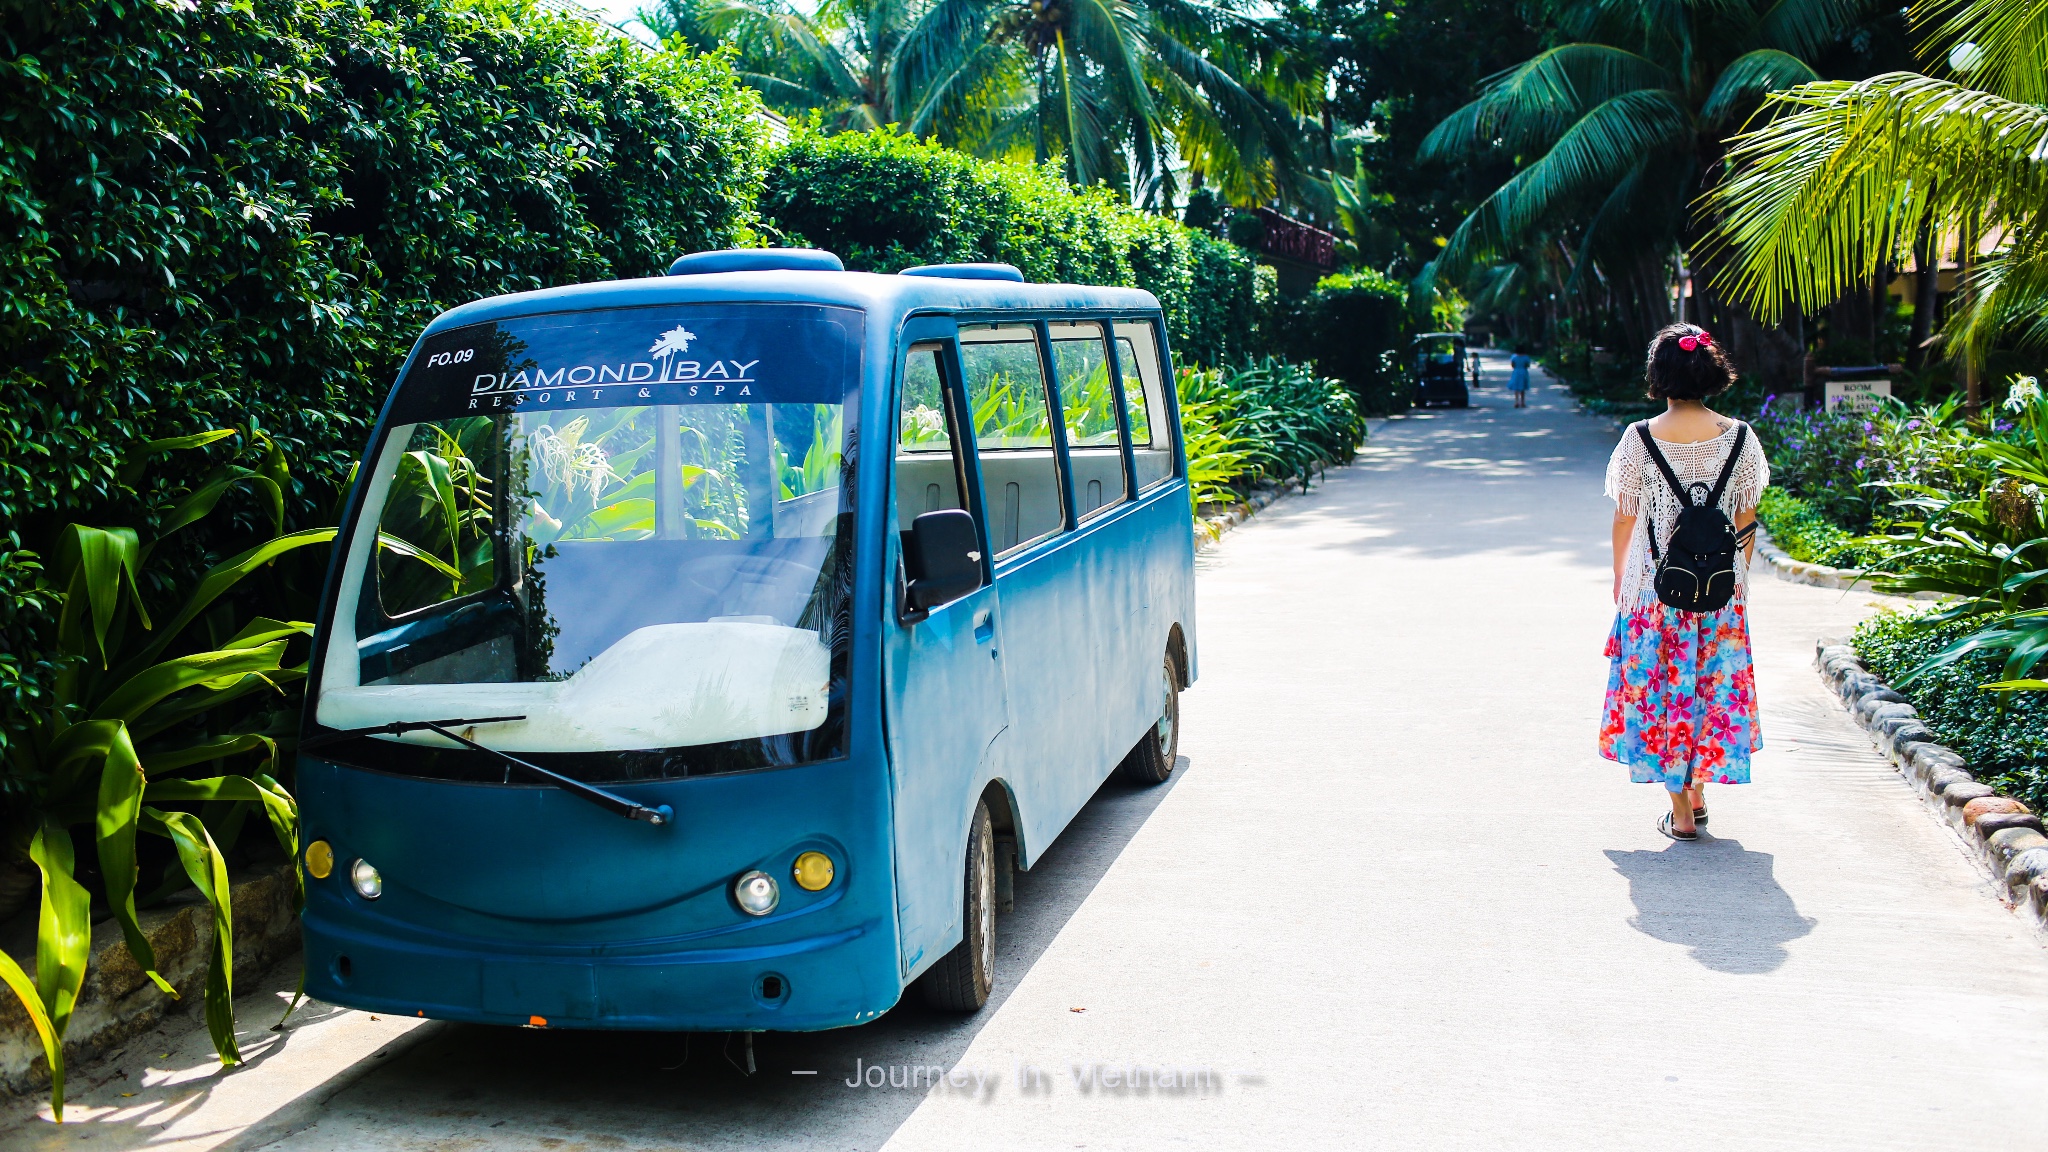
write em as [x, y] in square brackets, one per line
[1080, 361]
[1012, 433]
[1137, 349]
[928, 465]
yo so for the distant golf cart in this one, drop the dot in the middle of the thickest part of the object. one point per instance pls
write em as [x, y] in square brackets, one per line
[1439, 365]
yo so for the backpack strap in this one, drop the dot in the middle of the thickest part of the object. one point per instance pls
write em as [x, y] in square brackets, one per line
[1670, 477]
[1728, 469]
[1663, 465]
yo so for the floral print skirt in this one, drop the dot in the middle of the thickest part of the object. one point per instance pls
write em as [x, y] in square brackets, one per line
[1681, 696]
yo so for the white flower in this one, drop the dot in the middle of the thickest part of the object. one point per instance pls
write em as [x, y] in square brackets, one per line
[566, 460]
[2025, 390]
[929, 421]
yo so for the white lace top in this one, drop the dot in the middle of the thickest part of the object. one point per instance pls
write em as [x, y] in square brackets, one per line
[1635, 483]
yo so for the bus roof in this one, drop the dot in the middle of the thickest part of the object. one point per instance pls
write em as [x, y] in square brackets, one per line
[888, 297]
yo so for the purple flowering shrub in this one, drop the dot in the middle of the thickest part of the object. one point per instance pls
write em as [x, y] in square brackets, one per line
[1826, 458]
[1838, 462]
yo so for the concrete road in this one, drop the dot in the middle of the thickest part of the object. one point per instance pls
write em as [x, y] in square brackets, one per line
[1393, 899]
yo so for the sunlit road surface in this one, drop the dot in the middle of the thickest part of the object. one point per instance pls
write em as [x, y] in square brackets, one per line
[1393, 899]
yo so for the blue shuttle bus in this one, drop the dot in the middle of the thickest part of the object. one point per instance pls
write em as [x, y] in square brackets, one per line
[704, 652]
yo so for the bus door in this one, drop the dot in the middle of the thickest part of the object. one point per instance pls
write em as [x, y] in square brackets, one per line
[1050, 651]
[947, 699]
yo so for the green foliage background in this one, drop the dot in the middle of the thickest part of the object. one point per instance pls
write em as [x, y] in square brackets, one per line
[885, 201]
[214, 214]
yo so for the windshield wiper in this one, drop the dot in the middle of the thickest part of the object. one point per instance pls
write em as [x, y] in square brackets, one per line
[659, 816]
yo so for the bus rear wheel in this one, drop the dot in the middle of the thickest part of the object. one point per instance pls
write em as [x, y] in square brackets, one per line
[962, 979]
[1151, 761]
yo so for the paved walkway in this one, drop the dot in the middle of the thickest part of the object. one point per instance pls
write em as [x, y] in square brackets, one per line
[1394, 900]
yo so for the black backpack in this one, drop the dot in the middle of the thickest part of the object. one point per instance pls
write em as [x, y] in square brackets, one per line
[1697, 572]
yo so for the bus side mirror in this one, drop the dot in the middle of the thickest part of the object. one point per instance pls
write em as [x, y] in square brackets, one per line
[942, 556]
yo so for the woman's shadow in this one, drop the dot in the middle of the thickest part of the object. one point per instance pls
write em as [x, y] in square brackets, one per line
[1716, 898]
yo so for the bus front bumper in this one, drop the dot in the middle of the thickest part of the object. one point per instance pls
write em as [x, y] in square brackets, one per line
[801, 984]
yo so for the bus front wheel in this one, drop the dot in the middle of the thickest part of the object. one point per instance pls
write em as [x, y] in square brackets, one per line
[1151, 761]
[963, 978]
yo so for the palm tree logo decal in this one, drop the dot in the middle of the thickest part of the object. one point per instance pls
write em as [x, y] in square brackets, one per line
[676, 339]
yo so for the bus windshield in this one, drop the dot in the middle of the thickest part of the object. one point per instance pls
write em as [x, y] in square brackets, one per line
[628, 527]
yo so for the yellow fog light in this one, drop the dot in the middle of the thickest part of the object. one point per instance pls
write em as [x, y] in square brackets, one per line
[320, 859]
[813, 871]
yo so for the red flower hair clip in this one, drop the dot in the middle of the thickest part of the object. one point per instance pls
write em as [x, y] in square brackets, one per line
[1695, 343]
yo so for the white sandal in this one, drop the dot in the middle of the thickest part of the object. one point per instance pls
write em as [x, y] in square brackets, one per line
[1664, 826]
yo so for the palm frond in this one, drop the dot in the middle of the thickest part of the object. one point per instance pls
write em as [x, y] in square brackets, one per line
[1596, 153]
[949, 41]
[1212, 107]
[2011, 38]
[1838, 182]
[1535, 103]
[1749, 78]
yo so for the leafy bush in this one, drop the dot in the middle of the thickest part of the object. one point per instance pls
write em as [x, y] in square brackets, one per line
[2003, 735]
[885, 201]
[1805, 534]
[243, 213]
[138, 707]
[1982, 538]
[1272, 421]
[1356, 327]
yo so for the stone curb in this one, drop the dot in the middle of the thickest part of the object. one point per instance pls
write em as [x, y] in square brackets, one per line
[118, 1002]
[1820, 575]
[1999, 829]
[1210, 529]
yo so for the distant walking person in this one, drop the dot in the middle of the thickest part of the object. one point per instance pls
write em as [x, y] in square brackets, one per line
[1681, 694]
[1518, 377]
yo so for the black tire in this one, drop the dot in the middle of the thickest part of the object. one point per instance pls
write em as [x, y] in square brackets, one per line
[1152, 759]
[963, 978]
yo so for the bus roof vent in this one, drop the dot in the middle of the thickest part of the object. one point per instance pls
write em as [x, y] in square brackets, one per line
[756, 260]
[968, 272]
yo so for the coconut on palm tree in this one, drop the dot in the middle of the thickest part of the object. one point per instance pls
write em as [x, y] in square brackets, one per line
[1847, 176]
[1618, 131]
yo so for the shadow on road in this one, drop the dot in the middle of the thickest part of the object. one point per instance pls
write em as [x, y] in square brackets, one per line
[460, 1083]
[1718, 899]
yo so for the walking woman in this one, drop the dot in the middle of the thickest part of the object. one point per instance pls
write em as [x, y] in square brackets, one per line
[1518, 376]
[1681, 695]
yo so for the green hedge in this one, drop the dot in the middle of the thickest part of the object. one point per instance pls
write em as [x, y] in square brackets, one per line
[2003, 735]
[1355, 327]
[1805, 534]
[885, 201]
[218, 213]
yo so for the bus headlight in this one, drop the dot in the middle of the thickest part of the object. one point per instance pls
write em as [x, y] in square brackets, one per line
[813, 871]
[369, 885]
[756, 893]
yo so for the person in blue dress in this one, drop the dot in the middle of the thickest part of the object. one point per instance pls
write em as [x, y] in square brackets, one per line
[1518, 379]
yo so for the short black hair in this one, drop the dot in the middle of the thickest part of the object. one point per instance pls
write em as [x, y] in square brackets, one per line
[1674, 373]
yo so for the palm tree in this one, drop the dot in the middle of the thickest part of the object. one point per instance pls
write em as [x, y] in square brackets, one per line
[1848, 175]
[1116, 87]
[834, 58]
[1617, 130]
